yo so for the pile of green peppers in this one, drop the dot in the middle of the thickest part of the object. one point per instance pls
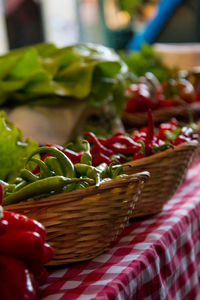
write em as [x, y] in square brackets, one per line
[56, 174]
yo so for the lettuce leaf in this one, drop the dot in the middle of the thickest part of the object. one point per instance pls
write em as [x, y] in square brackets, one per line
[83, 72]
[13, 150]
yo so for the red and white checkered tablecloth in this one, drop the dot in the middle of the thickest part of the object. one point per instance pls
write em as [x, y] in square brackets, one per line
[154, 258]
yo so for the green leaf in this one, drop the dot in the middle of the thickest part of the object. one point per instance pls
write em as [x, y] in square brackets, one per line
[83, 72]
[76, 79]
[26, 65]
[13, 150]
[172, 135]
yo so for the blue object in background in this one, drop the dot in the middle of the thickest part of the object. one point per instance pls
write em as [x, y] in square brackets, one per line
[165, 10]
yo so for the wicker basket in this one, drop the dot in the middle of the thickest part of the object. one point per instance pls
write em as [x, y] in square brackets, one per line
[139, 119]
[81, 224]
[167, 170]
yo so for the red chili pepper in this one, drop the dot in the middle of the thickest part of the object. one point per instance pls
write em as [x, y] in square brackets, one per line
[94, 140]
[17, 282]
[100, 158]
[180, 139]
[124, 140]
[150, 134]
[128, 151]
[138, 155]
[140, 98]
[74, 156]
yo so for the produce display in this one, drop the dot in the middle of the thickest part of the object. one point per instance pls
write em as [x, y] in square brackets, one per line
[121, 148]
[169, 93]
[47, 75]
[50, 76]
[156, 86]
[56, 173]
[23, 254]
[13, 149]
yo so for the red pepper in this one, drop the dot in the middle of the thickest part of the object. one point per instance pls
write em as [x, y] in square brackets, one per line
[150, 134]
[166, 126]
[20, 222]
[94, 140]
[128, 151]
[140, 98]
[26, 245]
[74, 156]
[17, 282]
[125, 140]
[3, 226]
[138, 155]
[180, 139]
[100, 158]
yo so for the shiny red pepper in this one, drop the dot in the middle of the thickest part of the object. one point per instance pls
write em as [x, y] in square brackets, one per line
[150, 134]
[74, 156]
[16, 280]
[100, 158]
[97, 144]
[20, 222]
[140, 98]
[23, 252]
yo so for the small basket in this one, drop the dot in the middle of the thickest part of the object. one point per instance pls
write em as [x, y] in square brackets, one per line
[81, 224]
[160, 115]
[167, 171]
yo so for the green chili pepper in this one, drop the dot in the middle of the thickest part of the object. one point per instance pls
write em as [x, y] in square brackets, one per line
[20, 185]
[103, 169]
[81, 185]
[86, 157]
[89, 171]
[53, 165]
[28, 176]
[114, 171]
[69, 187]
[44, 170]
[47, 185]
[7, 187]
[65, 163]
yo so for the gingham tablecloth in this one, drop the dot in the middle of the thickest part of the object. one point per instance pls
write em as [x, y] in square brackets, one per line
[154, 258]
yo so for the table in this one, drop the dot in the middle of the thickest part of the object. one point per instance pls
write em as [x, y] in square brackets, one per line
[156, 257]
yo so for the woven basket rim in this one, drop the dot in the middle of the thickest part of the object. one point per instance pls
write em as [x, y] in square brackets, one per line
[113, 183]
[155, 157]
[180, 109]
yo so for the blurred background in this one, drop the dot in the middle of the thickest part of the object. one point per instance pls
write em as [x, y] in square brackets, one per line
[120, 24]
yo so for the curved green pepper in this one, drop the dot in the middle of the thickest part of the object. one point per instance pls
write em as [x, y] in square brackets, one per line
[53, 165]
[65, 163]
[89, 171]
[44, 170]
[86, 157]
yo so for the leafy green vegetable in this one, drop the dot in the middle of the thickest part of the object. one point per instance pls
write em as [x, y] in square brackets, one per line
[146, 60]
[13, 150]
[82, 72]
